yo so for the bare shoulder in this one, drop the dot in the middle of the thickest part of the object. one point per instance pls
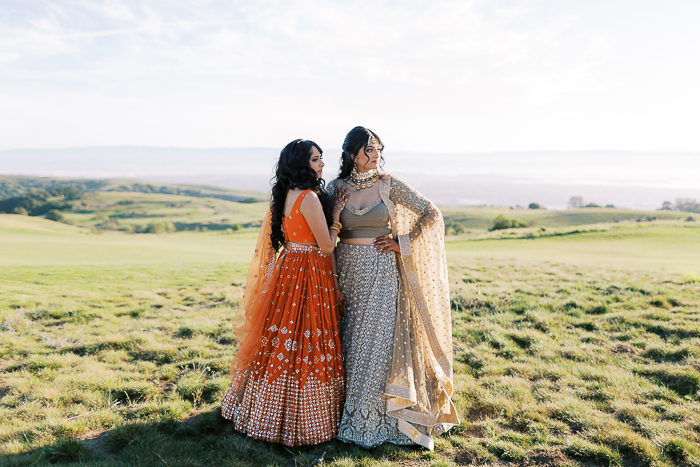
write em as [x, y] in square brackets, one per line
[311, 200]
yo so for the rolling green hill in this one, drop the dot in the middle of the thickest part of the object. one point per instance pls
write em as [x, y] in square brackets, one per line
[127, 211]
[146, 212]
[482, 217]
[141, 206]
[662, 245]
[16, 185]
[34, 241]
[606, 236]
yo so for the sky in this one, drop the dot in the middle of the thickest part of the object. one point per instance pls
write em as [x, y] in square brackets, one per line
[449, 76]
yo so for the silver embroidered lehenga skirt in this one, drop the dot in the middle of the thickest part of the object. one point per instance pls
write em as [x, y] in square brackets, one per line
[370, 282]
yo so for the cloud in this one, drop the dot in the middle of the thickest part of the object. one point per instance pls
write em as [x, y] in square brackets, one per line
[420, 43]
[467, 69]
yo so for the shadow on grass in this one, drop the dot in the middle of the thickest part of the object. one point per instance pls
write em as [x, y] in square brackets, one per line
[206, 439]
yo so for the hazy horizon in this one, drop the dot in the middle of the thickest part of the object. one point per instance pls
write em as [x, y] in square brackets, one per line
[626, 179]
[506, 102]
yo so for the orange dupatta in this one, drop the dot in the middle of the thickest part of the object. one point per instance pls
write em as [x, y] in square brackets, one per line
[248, 321]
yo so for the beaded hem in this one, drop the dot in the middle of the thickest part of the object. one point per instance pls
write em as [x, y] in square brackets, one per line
[284, 410]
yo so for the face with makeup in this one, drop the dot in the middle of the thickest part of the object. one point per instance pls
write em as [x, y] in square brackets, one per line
[316, 161]
[368, 158]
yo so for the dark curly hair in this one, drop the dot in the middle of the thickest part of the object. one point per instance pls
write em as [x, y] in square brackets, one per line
[293, 170]
[355, 141]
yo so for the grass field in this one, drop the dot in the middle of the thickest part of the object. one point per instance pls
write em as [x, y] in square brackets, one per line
[482, 217]
[125, 211]
[34, 241]
[17, 185]
[572, 349]
[661, 245]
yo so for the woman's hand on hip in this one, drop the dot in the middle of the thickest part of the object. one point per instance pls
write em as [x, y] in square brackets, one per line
[386, 244]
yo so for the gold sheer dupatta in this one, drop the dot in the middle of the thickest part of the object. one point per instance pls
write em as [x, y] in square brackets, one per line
[419, 384]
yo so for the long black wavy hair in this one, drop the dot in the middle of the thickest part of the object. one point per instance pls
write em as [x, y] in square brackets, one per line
[355, 141]
[293, 170]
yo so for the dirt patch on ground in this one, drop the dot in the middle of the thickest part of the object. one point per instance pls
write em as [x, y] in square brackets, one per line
[8, 363]
[466, 457]
[619, 347]
[412, 462]
[539, 458]
[547, 458]
[95, 441]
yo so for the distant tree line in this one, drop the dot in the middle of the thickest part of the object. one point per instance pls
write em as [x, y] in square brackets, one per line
[42, 203]
[157, 227]
[11, 187]
[453, 227]
[577, 202]
[169, 227]
[175, 190]
[14, 186]
[501, 222]
[682, 204]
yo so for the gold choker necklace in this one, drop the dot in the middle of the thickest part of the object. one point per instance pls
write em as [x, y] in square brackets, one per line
[362, 180]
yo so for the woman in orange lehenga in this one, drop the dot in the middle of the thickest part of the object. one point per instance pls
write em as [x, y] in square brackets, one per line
[287, 381]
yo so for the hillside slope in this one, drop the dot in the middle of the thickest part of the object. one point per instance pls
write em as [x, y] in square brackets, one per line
[16, 185]
[661, 245]
[482, 217]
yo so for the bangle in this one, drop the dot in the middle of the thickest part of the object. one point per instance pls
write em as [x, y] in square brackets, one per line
[336, 226]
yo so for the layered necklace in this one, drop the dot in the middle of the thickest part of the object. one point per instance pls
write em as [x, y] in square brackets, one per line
[360, 181]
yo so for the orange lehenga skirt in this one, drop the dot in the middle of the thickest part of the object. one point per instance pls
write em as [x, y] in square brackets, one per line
[289, 387]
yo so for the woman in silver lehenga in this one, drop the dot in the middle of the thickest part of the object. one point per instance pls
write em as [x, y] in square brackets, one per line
[396, 334]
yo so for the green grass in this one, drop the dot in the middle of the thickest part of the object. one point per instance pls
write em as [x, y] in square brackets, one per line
[114, 350]
[661, 245]
[16, 185]
[124, 211]
[481, 218]
[33, 241]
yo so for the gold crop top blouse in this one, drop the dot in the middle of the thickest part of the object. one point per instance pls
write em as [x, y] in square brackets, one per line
[370, 222]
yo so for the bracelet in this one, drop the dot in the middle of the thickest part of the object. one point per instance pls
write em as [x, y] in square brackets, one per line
[336, 226]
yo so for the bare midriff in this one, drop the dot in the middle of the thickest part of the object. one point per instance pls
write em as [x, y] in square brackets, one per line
[358, 241]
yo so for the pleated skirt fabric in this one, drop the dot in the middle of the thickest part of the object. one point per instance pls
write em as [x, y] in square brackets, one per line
[293, 390]
[370, 282]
